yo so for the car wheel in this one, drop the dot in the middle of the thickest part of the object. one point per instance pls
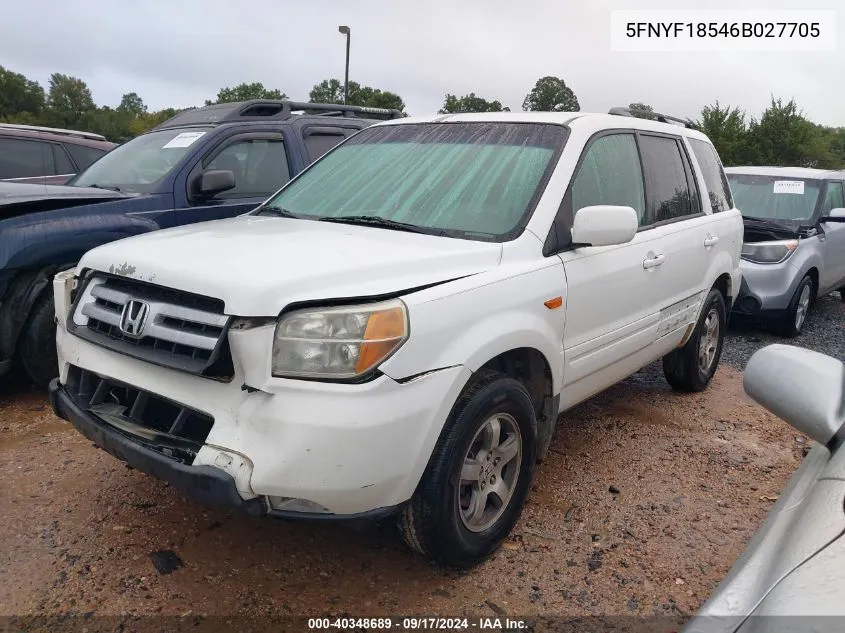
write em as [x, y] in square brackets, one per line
[691, 367]
[478, 476]
[842, 293]
[796, 314]
[37, 347]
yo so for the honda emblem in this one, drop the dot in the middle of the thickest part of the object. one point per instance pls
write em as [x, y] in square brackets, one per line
[134, 317]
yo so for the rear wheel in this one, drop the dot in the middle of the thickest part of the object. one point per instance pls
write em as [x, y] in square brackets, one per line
[477, 479]
[691, 367]
[796, 314]
[37, 347]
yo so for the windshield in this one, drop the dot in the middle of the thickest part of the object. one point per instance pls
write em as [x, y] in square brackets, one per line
[470, 180]
[789, 200]
[138, 165]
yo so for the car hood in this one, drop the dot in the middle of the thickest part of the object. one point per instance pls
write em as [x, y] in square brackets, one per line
[259, 265]
[17, 198]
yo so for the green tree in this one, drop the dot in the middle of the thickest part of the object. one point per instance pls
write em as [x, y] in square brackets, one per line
[784, 137]
[19, 94]
[551, 94]
[453, 104]
[331, 91]
[245, 92]
[132, 105]
[69, 98]
[727, 129]
[641, 110]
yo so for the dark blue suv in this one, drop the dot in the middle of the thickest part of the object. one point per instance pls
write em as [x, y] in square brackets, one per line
[203, 164]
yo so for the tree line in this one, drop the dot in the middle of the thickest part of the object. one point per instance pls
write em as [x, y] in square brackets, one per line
[781, 136]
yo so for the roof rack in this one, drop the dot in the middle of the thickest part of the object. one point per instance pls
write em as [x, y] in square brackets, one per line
[270, 109]
[52, 130]
[657, 116]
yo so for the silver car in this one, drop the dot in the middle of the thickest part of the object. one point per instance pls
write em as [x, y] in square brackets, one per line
[794, 246]
[792, 575]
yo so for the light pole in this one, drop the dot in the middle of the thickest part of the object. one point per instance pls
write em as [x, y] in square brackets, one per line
[346, 31]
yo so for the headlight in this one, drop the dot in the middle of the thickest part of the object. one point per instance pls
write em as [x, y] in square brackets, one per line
[768, 252]
[339, 343]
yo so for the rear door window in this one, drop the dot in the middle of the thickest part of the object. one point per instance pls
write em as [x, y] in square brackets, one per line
[63, 164]
[718, 190]
[21, 158]
[83, 155]
[667, 178]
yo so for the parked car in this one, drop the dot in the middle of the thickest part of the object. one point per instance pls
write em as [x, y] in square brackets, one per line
[47, 155]
[397, 329]
[212, 162]
[793, 565]
[794, 245]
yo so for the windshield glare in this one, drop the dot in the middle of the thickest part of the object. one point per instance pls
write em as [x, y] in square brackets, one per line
[137, 165]
[787, 200]
[471, 180]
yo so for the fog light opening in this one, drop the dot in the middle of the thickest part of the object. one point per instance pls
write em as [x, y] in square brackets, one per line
[289, 504]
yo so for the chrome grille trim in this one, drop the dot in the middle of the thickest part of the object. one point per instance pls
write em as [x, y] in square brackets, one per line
[177, 333]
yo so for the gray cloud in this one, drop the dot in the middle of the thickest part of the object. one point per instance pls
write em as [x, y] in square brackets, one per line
[180, 53]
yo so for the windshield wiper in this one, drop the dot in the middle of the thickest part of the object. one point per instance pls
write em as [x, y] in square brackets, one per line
[278, 212]
[111, 188]
[374, 220]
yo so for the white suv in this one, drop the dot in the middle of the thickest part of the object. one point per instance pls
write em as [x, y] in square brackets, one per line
[399, 327]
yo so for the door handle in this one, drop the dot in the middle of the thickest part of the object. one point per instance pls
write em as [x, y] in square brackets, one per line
[710, 240]
[653, 262]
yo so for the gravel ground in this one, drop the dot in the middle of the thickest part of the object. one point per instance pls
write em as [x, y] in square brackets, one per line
[824, 332]
[693, 477]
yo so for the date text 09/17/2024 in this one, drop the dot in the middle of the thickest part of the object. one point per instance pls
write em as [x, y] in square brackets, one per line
[418, 623]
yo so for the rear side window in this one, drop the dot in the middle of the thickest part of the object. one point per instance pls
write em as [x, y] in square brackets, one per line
[714, 176]
[669, 195]
[834, 197]
[610, 173]
[318, 143]
[63, 164]
[25, 159]
[83, 155]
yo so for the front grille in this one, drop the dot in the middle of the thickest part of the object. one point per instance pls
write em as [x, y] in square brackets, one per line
[160, 424]
[179, 330]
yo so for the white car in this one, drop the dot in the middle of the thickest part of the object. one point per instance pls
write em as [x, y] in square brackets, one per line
[399, 327]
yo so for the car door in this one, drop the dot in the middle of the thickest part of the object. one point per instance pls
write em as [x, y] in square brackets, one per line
[683, 236]
[613, 298]
[260, 164]
[832, 246]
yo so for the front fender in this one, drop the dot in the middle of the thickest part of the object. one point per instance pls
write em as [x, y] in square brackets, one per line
[470, 326]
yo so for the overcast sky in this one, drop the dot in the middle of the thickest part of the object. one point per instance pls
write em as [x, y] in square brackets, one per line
[180, 52]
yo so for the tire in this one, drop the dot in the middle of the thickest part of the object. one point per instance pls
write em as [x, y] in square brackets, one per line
[37, 346]
[793, 321]
[686, 369]
[435, 522]
[842, 293]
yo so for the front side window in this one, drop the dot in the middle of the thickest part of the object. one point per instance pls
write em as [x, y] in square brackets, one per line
[259, 165]
[470, 180]
[140, 164]
[834, 198]
[610, 173]
[778, 199]
[669, 195]
[25, 159]
[718, 189]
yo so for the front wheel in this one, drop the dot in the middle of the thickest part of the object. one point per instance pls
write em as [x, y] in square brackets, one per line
[477, 479]
[37, 347]
[796, 314]
[691, 367]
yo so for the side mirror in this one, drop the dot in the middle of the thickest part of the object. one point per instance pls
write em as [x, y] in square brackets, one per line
[802, 387]
[215, 181]
[834, 215]
[604, 225]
